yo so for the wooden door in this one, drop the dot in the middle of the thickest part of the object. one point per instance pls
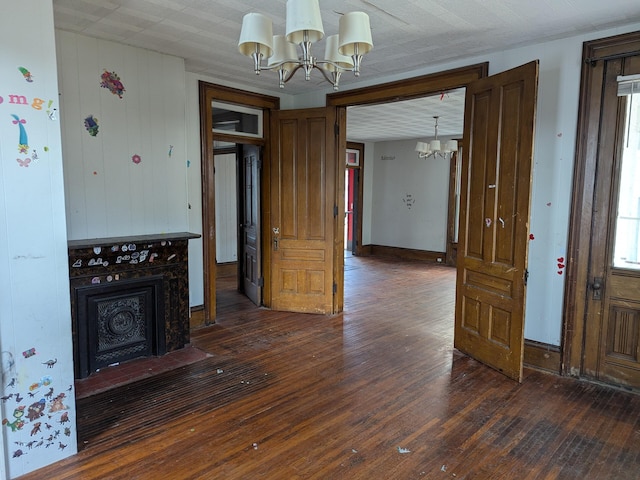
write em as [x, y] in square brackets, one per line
[303, 210]
[350, 206]
[494, 220]
[251, 271]
[612, 333]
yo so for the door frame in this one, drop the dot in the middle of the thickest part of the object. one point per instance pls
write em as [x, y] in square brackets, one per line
[358, 197]
[208, 92]
[415, 87]
[585, 165]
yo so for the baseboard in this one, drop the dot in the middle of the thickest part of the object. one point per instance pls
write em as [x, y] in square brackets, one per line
[197, 317]
[403, 253]
[542, 356]
[229, 269]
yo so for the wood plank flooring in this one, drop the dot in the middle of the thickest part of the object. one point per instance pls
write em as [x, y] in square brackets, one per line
[375, 393]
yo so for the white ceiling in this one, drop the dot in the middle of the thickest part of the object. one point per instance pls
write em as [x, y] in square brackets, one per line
[407, 35]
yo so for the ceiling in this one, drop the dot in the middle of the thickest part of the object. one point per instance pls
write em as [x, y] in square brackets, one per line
[407, 36]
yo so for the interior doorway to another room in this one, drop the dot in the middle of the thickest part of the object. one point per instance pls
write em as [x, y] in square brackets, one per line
[237, 218]
[354, 162]
[234, 129]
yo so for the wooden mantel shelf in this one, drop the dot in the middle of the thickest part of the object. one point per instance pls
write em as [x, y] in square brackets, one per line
[150, 238]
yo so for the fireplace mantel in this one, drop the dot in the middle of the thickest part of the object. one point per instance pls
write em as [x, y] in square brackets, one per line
[99, 266]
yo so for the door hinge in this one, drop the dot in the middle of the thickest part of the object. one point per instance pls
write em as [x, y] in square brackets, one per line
[335, 288]
[261, 282]
[336, 129]
[526, 275]
[335, 211]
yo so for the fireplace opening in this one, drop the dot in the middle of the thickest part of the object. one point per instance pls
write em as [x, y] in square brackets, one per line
[119, 321]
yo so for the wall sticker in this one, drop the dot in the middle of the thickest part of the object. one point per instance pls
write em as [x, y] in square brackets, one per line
[26, 74]
[111, 81]
[23, 142]
[91, 124]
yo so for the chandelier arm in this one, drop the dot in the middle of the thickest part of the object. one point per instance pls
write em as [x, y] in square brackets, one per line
[333, 81]
[338, 66]
[290, 76]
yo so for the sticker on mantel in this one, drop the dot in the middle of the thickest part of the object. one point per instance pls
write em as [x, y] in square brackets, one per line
[91, 124]
[136, 159]
[26, 74]
[111, 81]
[23, 140]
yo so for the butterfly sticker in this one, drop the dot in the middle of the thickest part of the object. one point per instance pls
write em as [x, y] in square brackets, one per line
[23, 163]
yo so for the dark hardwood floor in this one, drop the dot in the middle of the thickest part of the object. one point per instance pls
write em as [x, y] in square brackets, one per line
[375, 393]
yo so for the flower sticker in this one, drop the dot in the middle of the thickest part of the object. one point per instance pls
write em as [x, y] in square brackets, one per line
[136, 159]
[111, 81]
[91, 124]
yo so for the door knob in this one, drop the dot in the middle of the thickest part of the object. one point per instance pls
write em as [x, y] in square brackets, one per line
[596, 286]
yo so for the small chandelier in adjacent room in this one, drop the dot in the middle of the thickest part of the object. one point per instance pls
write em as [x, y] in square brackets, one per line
[434, 147]
[343, 51]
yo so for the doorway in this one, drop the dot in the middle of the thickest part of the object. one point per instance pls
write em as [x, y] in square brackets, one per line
[241, 121]
[237, 218]
[353, 189]
[602, 303]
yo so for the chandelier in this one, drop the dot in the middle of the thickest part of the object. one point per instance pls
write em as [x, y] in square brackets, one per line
[434, 147]
[343, 51]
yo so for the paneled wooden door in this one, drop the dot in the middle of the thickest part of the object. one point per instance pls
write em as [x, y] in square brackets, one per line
[494, 220]
[612, 327]
[251, 271]
[303, 210]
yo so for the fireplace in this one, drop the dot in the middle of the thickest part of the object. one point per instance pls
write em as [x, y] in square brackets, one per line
[129, 298]
[120, 321]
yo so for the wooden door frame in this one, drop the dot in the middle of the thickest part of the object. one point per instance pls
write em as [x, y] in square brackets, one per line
[585, 165]
[209, 92]
[416, 87]
[358, 195]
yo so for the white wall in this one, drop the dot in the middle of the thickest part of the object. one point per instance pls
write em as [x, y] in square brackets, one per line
[35, 318]
[409, 203]
[226, 208]
[107, 193]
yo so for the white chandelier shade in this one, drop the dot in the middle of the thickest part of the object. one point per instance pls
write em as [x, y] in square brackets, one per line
[434, 147]
[304, 16]
[335, 60]
[256, 35]
[343, 51]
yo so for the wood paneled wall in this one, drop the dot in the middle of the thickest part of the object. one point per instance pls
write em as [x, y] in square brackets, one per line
[108, 192]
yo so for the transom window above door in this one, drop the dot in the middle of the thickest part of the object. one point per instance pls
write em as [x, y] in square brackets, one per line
[236, 119]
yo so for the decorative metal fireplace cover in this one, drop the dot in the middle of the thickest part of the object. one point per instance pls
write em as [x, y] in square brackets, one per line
[119, 321]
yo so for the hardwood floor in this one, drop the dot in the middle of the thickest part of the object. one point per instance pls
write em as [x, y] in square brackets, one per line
[375, 393]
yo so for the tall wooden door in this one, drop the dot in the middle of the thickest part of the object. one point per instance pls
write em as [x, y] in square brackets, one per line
[251, 271]
[303, 210]
[612, 333]
[494, 220]
[350, 209]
